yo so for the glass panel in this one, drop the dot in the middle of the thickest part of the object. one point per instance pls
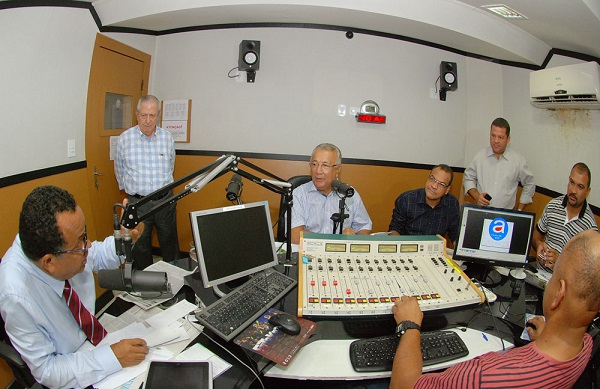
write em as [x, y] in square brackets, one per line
[118, 111]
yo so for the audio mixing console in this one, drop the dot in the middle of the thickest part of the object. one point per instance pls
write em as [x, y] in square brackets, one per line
[362, 275]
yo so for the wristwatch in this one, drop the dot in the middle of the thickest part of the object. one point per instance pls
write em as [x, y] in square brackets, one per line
[406, 325]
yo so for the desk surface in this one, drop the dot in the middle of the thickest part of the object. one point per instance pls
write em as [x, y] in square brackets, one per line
[326, 356]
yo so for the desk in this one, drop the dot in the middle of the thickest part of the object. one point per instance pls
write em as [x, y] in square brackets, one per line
[326, 354]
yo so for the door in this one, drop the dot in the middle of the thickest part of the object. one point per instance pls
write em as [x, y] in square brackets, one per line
[118, 78]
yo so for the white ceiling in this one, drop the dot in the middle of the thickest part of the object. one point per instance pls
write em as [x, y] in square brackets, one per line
[571, 25]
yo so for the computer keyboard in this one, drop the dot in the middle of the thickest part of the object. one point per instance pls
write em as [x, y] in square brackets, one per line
[377, 354]
[231, 314]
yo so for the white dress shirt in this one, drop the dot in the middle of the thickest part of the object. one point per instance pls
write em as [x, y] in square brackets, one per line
[41, 326]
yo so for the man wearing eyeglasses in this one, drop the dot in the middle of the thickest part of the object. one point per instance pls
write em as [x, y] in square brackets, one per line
[316, 201]
[46, 278]
[430, 210]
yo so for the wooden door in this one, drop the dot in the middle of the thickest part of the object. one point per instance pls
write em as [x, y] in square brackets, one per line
[118, 78]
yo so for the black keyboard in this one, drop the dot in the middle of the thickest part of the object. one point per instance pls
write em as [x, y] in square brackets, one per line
[377, 354]
[231, 314]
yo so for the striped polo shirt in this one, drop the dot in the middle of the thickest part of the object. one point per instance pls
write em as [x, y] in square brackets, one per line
[553, 223]
[520, 367]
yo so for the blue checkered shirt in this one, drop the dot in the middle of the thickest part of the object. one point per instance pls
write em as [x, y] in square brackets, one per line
[144, 165]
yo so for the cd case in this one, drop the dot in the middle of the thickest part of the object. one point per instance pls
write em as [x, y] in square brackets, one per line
[262, 338]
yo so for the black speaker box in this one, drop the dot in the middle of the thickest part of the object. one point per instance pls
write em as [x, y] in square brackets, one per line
[249, 55]
[448, 76]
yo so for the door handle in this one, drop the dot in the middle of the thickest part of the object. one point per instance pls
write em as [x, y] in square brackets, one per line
[96, 174]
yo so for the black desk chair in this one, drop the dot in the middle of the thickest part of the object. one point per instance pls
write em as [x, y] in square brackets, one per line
[23, 377]
[590, 378]
[296, 181]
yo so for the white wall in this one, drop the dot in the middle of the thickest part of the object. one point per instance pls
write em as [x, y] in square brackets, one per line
[46, 56]
[304, 75]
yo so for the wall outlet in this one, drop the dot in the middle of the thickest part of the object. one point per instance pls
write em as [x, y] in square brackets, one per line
[433, 93]
[70, 148]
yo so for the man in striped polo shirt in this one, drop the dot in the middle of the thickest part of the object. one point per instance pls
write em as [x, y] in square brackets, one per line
[561, 346]
[564, 217]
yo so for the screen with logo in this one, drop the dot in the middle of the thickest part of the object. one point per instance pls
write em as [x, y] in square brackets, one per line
[494, 236]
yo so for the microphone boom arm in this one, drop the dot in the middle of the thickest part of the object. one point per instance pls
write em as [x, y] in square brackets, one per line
[132, 217]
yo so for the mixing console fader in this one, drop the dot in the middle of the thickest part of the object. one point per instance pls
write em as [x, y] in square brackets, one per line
[362, 275]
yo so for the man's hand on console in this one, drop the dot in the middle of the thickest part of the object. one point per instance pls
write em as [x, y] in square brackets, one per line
[407, 308]
[130, 352]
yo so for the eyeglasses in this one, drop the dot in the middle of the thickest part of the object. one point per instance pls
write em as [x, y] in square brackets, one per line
[315, 165]
[440, 183]
[84, 250]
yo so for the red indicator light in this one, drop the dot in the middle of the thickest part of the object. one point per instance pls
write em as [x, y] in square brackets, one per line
[370, 118]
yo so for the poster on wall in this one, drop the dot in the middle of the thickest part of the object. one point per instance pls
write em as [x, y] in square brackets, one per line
[176, 118]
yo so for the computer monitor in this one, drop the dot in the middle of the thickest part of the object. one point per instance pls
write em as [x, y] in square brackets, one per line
[233, 242]
[494, 236]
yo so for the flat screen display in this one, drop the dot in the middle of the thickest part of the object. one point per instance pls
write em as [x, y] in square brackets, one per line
[494, 236]
[233, 242]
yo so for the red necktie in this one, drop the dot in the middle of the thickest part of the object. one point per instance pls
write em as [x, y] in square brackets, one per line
[88, 322]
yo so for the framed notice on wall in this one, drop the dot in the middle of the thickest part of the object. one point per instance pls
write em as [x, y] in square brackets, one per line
[176, 118]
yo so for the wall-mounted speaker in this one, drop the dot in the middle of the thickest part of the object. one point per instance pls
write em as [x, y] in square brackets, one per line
[249, 55]
[448, 76]
[249, 60]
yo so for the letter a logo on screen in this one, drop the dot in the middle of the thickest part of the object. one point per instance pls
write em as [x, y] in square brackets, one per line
[498, 228]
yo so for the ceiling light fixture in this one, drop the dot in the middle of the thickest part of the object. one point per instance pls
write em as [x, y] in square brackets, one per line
[504, 11]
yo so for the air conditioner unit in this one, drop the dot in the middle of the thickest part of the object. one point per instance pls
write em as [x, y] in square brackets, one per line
[568, 87]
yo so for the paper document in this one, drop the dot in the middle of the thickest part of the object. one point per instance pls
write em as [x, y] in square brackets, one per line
[200, 353]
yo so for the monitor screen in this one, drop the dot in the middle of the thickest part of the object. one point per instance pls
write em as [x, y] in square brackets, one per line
[494, 236]
[233, 242]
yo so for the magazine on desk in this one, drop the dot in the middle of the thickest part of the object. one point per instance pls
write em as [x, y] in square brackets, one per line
[270, 342]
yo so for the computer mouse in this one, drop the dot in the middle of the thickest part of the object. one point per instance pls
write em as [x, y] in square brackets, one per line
[287, 323]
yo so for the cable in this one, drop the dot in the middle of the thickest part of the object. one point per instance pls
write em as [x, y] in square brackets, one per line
[239, 360]
[229, 73]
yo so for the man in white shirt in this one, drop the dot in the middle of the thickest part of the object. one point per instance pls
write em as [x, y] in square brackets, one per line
[494, 174]
[316, 201]
[50, 256]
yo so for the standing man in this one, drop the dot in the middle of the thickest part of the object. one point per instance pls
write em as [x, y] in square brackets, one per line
[496, 172]
[316, 201]
[430, 210]
[48, 295]
[561, 347]
[144, 163]
[564, 217]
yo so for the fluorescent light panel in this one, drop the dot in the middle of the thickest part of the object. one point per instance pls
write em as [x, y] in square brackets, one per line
[504, 11]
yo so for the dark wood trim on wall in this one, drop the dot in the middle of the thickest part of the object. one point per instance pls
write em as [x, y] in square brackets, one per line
[41, 173]
[82, 4]
[37, 174]
[306, 158]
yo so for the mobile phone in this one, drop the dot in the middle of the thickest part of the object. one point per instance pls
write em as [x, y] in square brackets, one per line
[487, 197]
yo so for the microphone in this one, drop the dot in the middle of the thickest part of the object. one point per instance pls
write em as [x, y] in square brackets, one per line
[118, 236]
[234, 188]
[141, 281]
[343, 189]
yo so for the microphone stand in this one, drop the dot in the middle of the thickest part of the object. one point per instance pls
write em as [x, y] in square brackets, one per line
[131, 217]
[338, 218]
